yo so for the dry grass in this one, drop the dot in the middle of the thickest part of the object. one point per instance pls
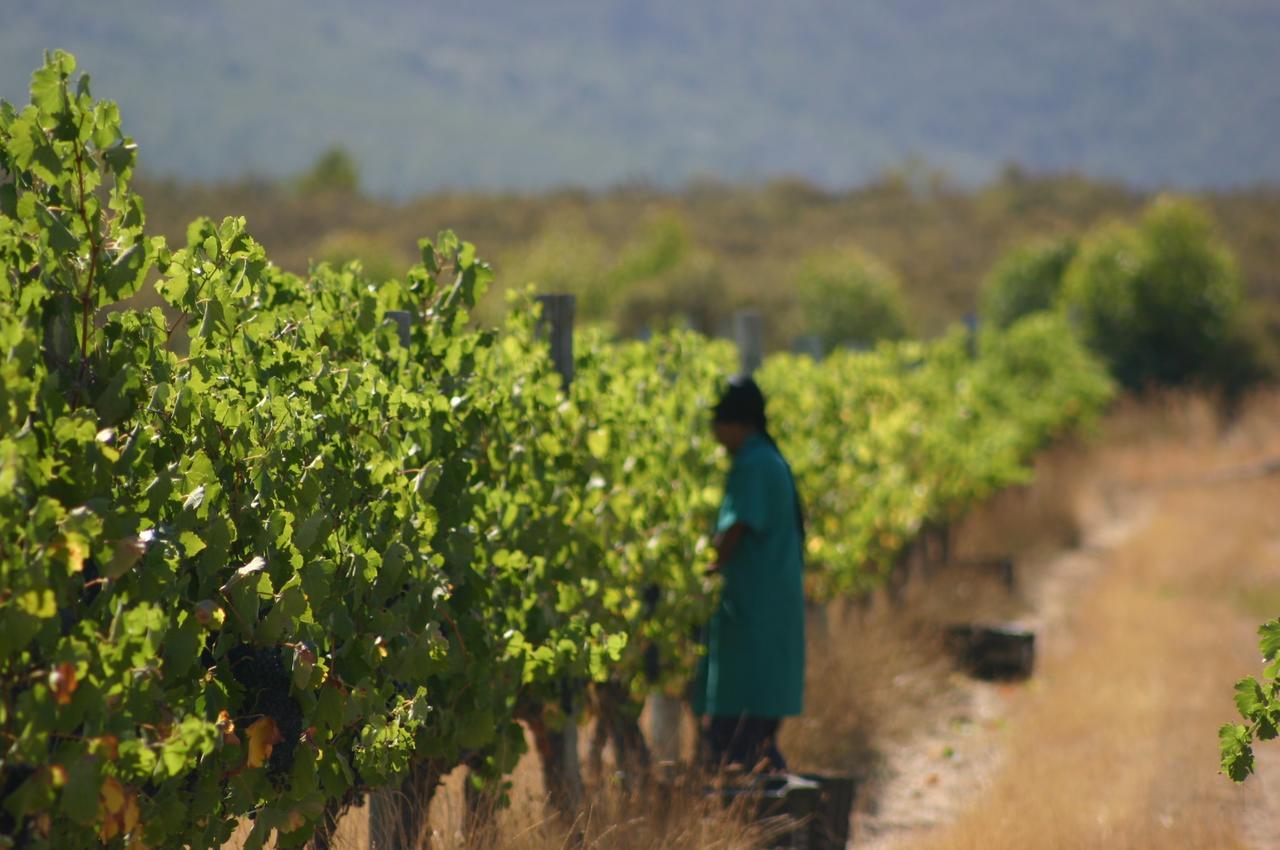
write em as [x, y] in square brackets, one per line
[869, 676]
[1032, 521]
[614, 817]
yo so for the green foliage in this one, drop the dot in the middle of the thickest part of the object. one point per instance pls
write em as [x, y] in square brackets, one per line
[1161, 301]
[267, 576]
[1026, 280]
[657, 280]
[1259, 707]
[378, 261]
[334, 172]
[567, 258]
[850, 298]
[885, 441]
[258, 578]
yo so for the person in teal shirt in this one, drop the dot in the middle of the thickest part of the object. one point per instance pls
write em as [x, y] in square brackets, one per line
[753, 673]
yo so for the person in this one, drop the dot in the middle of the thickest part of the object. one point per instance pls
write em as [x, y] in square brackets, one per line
[752, 675]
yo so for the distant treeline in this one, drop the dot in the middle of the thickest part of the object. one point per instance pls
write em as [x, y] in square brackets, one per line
[640, 257]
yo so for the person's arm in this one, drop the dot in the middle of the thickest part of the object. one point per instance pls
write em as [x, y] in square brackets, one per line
[727, 543]
[743, 510]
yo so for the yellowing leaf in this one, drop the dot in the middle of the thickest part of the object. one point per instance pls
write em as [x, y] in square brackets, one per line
[118, 811]
[74, 549]
[263, 736]
[107, 746]
[131, 814]
[111, 796]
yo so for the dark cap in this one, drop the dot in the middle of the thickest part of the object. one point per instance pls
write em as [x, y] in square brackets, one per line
[742, 402]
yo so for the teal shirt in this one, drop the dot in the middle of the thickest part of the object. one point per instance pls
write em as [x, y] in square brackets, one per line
[755, 641]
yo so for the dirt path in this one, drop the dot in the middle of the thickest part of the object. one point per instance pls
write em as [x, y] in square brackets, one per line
[937, 774]
[1141, 631]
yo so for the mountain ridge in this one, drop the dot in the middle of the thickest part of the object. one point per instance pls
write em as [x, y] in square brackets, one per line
[502, 95]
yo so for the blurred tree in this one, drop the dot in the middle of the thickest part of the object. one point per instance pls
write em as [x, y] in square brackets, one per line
[1025, 280]
[379, 261]
[850, 298]
[691, 293]
[1160, 301]
[565, 257]
[660, 247]
[661, 279]
[334, 171]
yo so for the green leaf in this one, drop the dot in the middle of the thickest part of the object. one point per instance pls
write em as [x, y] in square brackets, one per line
[9, 200]
[191, 543]
[121, 157]
[190, 739]
[182, 647]
[1270, 643]
[1250, 699]
[124, 276]
[39, 603]
[117, 401]
[48, 84]
[598, 443]
[213, 320]
[281, 620]
[306, 535]
[80, 794]
[32, 150]
[1237, 754]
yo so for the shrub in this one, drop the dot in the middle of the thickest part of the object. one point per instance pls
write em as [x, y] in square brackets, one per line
[1026, 280]
[566, 257]
[850, 298]
[1160, 301]
[334, 171]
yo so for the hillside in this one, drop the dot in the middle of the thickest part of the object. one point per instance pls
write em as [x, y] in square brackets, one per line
[738, 245]
[495, 94]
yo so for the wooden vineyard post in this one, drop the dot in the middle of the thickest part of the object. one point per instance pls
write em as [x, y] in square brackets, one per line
[748, 332]
[971, 324]
[809, 344]
[403, 320]
[665, 715]
[557, 325]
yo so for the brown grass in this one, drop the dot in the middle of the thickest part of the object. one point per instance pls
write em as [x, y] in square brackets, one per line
[677, 815]
[612, 818]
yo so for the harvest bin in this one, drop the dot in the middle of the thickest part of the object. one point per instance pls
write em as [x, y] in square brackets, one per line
[809, 811]
[993, 651]
[830, 826]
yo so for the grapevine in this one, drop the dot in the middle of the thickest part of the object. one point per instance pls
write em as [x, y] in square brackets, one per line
[310, 557]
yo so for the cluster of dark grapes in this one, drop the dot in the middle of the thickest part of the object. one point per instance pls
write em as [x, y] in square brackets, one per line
[261, 671]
